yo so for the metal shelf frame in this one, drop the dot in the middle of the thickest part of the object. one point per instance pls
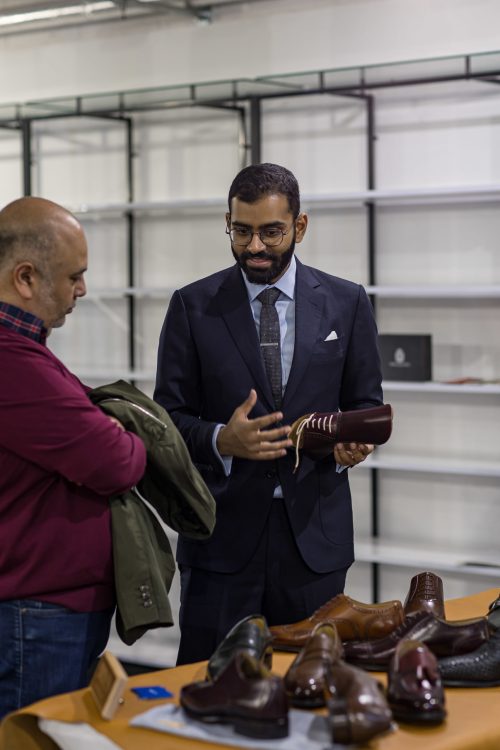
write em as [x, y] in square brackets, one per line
[245, 97]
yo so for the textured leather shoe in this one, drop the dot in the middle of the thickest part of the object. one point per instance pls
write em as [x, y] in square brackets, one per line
[316, 434]
[479, 668]
[250, 635]
[306, 681]
[357, 706]
[414, 690]
[442, 637]
[353, 620]
[425, 595]
[244, 694]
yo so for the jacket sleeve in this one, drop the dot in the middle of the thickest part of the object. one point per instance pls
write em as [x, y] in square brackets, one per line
[179, 385]
[362, 377]
[52, 423]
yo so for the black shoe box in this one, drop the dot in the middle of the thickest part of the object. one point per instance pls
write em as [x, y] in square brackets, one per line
[406, 356]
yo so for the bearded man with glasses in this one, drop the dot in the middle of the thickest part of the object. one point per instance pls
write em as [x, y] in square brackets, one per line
[237, 365]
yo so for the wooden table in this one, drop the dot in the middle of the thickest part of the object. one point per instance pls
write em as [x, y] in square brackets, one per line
[473, 721]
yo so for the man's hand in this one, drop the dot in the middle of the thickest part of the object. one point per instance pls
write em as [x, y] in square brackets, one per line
[117, 422]
[249, 438]
[350, 454]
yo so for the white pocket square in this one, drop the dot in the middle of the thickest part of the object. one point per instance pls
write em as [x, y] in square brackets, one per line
[332, 336]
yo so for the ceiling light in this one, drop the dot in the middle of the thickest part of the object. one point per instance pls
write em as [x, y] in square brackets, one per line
[48, 14]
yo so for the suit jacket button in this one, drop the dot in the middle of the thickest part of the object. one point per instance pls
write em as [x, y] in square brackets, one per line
[271, 474]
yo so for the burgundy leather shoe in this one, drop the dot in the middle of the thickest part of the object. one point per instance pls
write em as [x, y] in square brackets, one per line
[316, 434]
[251, 635]
[442, 637]
[245, 695]
[306, 681]
[425, 595]
[357, 706]
[415, 691]
[353, 620]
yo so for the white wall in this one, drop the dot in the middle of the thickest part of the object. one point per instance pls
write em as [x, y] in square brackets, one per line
[426, 136]
[247, 40]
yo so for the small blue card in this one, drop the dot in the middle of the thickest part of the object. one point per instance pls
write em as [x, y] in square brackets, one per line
[152, 692]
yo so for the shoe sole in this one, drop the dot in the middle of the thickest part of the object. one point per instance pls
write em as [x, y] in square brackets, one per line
[410, 717]
[257, 728]
[470, 683]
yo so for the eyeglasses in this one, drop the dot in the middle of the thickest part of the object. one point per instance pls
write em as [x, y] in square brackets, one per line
[271, 237]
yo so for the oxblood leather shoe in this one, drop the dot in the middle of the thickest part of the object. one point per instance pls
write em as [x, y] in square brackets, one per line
[245, 695]
[353, 620]
[479, 668]
[425, 595]
[306, 681]
[316, 434]
[442, 637]
[414, 690]
[356, 704]
[250, 635]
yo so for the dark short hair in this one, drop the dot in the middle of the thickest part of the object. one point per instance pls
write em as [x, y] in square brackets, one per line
[257, 180]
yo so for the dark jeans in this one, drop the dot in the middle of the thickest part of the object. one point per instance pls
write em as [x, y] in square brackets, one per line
[276, 583]
[46, 649]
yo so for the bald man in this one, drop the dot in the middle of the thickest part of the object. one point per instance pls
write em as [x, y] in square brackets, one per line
[61, 459]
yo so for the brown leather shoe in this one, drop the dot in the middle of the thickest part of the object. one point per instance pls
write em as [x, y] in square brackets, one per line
[306, 680]
[251, 635]
[425, 594]
[245, 695]
[415, 691]
[357, 705]
[442, 637]
[316, 434]
[353, 620]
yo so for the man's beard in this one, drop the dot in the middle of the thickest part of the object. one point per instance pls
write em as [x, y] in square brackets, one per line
[265, 275]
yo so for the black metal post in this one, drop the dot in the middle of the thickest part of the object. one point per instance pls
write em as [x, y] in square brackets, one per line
[372, 276]
[27, 155]
[255, 131]
[131, 306]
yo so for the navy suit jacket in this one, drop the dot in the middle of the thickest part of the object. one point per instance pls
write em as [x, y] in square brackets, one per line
[209, 359]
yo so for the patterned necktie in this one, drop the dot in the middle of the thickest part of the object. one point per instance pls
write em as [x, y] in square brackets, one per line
[270, 341]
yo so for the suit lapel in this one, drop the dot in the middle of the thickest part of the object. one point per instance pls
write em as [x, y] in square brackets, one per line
[233, 304]
[308, 313]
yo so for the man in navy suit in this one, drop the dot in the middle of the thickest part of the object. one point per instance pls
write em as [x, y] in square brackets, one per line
[283, 539]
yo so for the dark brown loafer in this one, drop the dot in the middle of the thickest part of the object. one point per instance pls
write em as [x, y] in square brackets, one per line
[316, 434]
[357, 706]
[244, 694]
[415, 690]
[250, 635]
[425, 595]
[353, 620]
[306, 680]
[442, 637]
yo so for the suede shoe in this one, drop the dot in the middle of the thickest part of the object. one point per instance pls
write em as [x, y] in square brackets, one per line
[244, 694]
[415, 690]
[479, 668]
[357, 707]
[306, 678]
[425, 595]
[443, 638]
[353, 620]
[250, 635]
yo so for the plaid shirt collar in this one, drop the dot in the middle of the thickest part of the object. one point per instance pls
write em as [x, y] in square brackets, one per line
[23, 322]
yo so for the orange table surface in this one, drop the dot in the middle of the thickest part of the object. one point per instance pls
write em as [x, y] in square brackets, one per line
[473, 721]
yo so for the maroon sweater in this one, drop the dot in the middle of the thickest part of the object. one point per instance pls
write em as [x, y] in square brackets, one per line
[61, 459]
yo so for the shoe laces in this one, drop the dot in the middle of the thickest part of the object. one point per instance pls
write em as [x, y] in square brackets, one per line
[324, 424]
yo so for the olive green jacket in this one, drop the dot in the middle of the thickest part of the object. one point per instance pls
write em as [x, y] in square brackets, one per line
[176, 493]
